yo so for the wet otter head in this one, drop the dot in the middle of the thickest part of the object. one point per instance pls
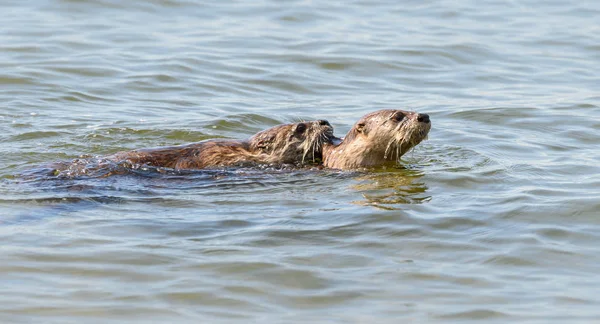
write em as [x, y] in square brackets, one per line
[378, 138]
[295, 143]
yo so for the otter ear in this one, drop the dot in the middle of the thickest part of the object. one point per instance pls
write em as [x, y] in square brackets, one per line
[360, 128]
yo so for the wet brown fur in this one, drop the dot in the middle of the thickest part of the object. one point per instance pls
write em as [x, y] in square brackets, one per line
[378, 138]
[295, 143]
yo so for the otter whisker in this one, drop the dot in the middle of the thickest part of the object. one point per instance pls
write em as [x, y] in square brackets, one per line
[310, 148]
[387, 149]
[307, 147]
[316, 144]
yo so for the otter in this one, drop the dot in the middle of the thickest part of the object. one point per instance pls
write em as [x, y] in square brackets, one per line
[296, 143]
[283, 144]
[378, 138]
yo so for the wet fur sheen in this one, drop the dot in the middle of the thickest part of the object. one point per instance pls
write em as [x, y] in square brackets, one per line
[296, 143]
[378, 138]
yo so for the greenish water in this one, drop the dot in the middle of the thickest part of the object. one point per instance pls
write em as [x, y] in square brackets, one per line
[495, 218]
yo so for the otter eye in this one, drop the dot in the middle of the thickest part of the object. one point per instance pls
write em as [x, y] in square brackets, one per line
[398, 117]
[300, 128]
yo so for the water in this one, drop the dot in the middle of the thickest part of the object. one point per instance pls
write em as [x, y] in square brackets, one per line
[495, 218]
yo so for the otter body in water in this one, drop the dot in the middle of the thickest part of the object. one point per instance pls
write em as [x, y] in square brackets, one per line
[295, 143]
[378, 138]
[284, 144]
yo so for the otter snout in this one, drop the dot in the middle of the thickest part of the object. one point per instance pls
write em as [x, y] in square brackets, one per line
[423, 118]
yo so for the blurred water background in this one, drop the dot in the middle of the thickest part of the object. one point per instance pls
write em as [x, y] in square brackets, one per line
[495, 218]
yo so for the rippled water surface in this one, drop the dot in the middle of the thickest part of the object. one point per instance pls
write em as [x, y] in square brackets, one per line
[495, 218]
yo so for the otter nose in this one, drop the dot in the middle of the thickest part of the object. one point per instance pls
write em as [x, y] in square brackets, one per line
[424, 118]
[323, 122]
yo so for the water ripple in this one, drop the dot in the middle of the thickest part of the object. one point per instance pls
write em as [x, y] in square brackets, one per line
[494, 218]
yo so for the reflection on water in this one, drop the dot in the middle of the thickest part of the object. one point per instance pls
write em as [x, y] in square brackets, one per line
[387, 189]
[495, 218]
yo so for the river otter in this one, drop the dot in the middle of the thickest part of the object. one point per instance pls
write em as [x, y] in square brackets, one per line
[295, 143]
[378, 138]
[284, 144]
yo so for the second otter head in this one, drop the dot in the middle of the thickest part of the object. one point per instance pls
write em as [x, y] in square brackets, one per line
[378, 138]
[294, 143]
